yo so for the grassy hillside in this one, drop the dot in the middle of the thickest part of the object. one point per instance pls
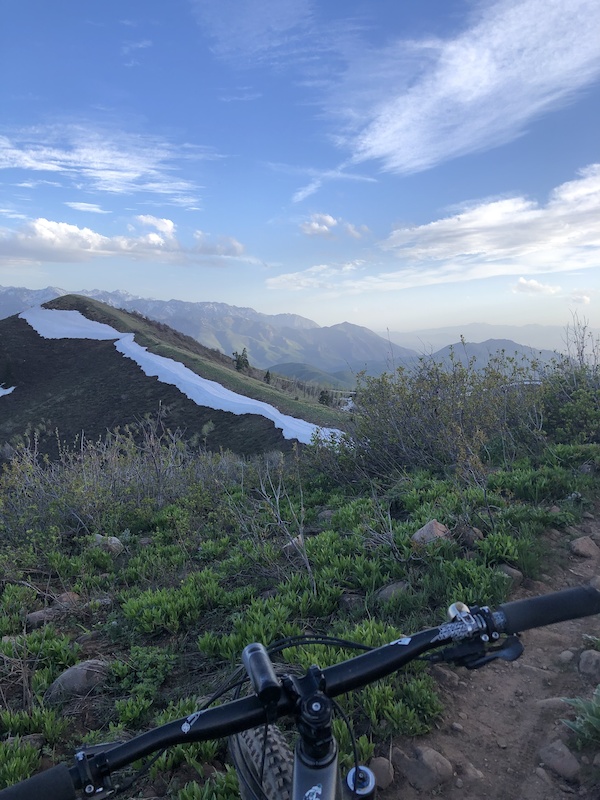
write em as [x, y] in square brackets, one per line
[84, 385]
[163, 561]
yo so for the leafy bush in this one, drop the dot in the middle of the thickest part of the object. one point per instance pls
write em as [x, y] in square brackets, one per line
[18, 761]
[440, 416]
[587, 723]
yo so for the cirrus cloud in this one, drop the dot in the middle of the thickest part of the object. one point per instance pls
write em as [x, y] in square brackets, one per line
[516, 61]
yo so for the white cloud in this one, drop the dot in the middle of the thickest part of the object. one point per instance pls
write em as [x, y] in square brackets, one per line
[223, 246]
[11, 214]
[93, 208]
[494, 238]
[165, 226]
[324, 224]
[321, 277]
[354, 232]
[108, 161]
[535, 287]
[319, 225]
[430, 100]
[514, 234]
[580, 297]
[42, 240]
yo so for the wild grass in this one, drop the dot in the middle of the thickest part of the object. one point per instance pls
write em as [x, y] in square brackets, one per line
[218, 551]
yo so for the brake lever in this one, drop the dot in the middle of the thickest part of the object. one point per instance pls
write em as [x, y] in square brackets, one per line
[475, 654]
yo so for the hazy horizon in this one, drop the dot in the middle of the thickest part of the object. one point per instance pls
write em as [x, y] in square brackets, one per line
[397, 166]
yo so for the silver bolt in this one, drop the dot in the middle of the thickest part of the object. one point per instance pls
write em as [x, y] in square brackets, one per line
[89, 789]
[316, 706]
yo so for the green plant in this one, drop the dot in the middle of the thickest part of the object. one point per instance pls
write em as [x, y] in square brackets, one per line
[37, 720]
[587, 723]
[221, 786]
[194, 754]
[18, 761]
[15, 601]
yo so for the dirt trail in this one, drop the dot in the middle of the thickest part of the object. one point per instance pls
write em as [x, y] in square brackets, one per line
[497, 718]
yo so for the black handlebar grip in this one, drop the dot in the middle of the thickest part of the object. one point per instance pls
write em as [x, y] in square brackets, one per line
[535, 612]
[55, 783]
[262, 675]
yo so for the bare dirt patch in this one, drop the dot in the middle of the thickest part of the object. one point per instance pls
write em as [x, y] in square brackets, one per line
[498, 718]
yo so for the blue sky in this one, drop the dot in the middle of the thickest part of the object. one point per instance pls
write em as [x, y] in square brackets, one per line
[394, 164]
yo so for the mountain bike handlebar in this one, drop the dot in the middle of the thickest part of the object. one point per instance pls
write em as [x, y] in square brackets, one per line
[479, 625]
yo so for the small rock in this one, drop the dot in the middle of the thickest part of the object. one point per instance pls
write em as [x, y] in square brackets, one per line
[471, 536]
[557, 757]
[470, 772]
[325, 515]
[459, 783]
[585, 547]
[515, 575]
[66, 600]
[37, 740]
[110, 543]
[587, 515]
[426, 770]
[383, 771]
[431, 532]
[541, 773]
[445, 676]
[387, 593]
[554, 510]
[551, 704]
[589, 664]
[596, 761]
[566, 657]
[37, 619]
[349, 602]
[77, 681]
[456, 726]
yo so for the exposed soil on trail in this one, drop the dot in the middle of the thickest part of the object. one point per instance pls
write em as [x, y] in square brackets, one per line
[498, 718]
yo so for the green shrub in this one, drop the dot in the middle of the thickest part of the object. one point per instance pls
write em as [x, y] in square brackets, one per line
[37, 720]
[16, 600]
[18, 761]
[221, 786]
[587, 723]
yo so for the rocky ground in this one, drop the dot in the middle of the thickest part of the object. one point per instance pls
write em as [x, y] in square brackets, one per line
[502, 736]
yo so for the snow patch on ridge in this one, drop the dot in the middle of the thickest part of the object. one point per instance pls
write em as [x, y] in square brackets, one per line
[57, 324]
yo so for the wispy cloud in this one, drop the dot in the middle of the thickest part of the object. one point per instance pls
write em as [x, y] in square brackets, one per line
[269, 31]
[504, 237]
[109, 161]
[131, 47]
[318, 177]
[47, 241]
[323, 277]
[93, 208]
[517, 60]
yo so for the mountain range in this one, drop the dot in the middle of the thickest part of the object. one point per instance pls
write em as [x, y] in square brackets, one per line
[298, 347]
[84, 385]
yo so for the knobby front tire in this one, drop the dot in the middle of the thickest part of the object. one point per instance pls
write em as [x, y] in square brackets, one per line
[248, 750]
